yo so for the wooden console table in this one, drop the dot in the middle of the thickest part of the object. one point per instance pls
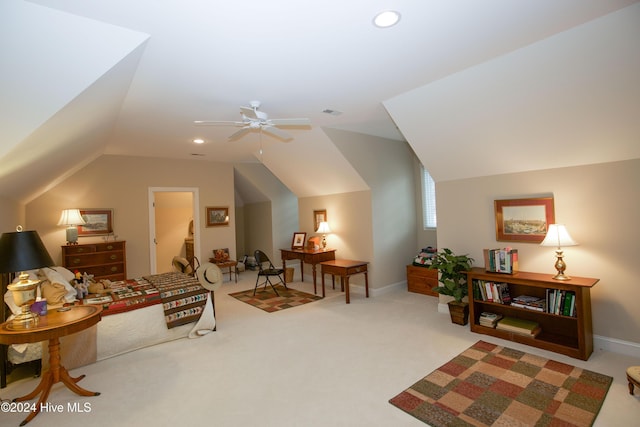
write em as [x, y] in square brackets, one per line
[345, 268]
[232, 265]
[309, 256]
[51, 327]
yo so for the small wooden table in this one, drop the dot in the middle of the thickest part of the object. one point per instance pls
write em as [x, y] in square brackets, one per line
[51, 327]
[345, 268]
[309, 256]
[231, 264]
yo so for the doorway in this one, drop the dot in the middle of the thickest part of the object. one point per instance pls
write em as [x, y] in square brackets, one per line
[173, 215]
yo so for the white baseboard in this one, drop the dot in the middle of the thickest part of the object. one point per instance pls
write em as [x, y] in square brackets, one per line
[628, 348]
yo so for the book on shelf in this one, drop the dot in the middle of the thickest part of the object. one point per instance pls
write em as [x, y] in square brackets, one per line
[489, 319]
[491, 291]
[529, 302]
[561, 302]
[519, 326]
[501, 260]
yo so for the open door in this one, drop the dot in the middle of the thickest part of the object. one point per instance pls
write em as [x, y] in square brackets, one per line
[171, 212]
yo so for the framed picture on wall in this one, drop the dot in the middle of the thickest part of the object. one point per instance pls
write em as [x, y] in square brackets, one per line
[523, 220]
[99, 222]
[299, 238]
[217, 216]
[318, 217]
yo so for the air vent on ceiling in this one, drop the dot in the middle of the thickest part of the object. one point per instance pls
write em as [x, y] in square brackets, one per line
[332, 112]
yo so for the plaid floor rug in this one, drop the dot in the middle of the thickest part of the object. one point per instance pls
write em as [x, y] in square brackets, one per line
[267, 300]
[490, 385]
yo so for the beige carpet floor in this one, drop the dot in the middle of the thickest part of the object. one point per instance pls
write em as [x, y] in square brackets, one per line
[321, 364]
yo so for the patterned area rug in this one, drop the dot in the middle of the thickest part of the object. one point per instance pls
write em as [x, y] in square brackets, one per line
[267, 300]
[490, 385]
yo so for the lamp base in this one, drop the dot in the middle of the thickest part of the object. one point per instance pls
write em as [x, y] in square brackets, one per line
[72, 235]
[25, 320]
[560, 266]
[561, 276]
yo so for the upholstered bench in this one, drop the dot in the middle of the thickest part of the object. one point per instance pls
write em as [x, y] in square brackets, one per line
[633, 376]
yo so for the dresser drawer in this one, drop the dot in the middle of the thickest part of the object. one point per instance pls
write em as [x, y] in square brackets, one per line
[422, 280]
[100, 271]
[79, 249]
[110, 246]
[94, 258]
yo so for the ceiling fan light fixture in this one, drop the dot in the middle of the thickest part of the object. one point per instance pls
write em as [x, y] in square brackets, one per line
[386, 19]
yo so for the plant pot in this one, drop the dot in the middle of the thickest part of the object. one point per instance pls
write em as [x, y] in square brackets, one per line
[459, 312]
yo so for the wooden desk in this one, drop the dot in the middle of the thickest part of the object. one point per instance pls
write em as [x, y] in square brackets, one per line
[51, 327]
[309, 256]
[231, 264]
[345, 268]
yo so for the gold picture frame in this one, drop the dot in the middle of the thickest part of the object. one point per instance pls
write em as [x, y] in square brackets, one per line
[217, 216]
[319, 216]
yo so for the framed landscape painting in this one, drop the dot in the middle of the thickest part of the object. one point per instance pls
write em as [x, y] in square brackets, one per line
[523, 220]
[217, 216]
[98, 222]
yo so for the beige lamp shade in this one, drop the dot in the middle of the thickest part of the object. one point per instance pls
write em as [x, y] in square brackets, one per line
[71, 218]
[558, 236]
[323, 228]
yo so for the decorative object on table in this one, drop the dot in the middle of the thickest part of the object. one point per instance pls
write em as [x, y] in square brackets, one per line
[559, 236]
[501, 260]
[71, 218]
[523, 220]
[298, 240]
[313, 244]
[21, 251]
[319, 216]
[453, 278]
[323, 228]
[221, 255]
[270, 302]
[489, 384]
[98, 222]
[217, 216]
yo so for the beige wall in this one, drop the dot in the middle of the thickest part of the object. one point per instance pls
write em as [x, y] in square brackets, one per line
[122, 184]
[599, 204]
[11, 215]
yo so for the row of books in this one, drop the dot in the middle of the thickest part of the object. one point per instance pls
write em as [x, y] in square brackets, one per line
[530, 303]
[519, 326]
[561, 302]
[501, 260]
[491, 291]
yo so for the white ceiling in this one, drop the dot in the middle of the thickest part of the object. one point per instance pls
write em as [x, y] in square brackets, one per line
[85, 78]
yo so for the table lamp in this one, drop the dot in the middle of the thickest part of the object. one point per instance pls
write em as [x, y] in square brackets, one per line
[72, 219]
[557, 235]
[324, 229]
[21, 251]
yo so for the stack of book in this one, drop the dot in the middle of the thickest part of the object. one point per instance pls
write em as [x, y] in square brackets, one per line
[489, 320]
[530, 303]
[519, 326]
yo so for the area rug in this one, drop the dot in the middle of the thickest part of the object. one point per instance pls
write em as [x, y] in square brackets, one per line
[267, 300]
[490, 385]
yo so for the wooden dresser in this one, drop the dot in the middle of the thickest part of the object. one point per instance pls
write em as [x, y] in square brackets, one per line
[422, 280]
[103, 260]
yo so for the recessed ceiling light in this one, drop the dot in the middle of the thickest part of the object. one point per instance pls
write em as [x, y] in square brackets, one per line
[386, 19]
[198, 141]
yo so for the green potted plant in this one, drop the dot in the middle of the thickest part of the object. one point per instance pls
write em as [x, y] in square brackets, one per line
[452, 269]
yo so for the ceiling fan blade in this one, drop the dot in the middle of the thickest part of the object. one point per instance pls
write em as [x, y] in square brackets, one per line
[240, 133]
[217, 123]
[290, 122]
[277, 133]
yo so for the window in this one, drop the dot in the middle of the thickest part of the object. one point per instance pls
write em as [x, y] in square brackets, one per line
[429, 219]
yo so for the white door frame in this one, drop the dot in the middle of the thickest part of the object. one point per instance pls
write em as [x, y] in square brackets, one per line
[152, 221]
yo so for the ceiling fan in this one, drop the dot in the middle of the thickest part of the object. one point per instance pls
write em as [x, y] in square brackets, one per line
[252, 119]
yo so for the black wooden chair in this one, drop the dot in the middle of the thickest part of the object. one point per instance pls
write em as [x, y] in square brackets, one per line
[267, 270]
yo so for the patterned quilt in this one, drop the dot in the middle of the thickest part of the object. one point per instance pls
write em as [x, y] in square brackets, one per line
[182, 297]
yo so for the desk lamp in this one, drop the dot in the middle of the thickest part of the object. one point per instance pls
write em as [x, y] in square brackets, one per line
[557, 235]
[21, 251]
[72, 219]
[324, 229]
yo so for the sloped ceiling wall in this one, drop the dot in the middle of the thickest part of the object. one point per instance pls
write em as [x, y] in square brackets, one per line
[571, 99]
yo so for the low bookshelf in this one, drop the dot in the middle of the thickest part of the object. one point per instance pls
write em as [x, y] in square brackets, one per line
[568, 335]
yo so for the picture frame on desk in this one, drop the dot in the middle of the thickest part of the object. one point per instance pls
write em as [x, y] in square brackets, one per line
[523, 220]
[299, 238]
[99, 222]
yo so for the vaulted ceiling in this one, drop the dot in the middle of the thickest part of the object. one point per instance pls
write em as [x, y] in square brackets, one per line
[535, 83]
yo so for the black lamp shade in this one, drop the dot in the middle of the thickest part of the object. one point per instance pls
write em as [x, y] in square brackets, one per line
[22, 251]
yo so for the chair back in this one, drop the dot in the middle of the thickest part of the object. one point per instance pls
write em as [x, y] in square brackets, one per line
[262, 258]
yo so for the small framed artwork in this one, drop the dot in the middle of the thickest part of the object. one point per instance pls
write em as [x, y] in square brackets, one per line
[299, 238]
[523, 220]
[217, 216]
[318, 217]
[99, 222]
